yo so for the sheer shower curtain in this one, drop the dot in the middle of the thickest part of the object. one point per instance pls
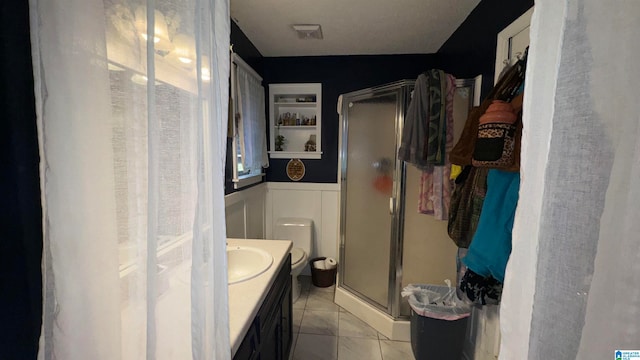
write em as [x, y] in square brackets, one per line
[132, 142]
[572, 287]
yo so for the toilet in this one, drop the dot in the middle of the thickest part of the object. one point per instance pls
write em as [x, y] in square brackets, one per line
[300, 232]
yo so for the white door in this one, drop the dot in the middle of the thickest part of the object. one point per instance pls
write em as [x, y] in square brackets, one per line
[512, 42]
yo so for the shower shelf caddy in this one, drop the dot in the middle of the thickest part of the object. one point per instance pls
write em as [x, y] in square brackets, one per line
[295, 113]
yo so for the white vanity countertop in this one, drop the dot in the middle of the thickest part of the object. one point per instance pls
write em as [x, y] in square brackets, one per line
[246, 297]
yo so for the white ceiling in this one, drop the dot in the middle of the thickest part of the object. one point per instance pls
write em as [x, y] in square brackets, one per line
[350, 27]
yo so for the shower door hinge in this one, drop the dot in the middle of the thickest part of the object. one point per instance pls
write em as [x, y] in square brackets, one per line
[392, 205]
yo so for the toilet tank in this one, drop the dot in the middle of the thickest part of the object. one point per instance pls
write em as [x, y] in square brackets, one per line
[298, 230]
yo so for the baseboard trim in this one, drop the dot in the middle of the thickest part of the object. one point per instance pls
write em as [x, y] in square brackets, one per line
[398, 330]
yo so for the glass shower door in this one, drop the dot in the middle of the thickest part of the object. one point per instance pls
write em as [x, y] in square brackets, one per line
[368, 173]
[427, 249]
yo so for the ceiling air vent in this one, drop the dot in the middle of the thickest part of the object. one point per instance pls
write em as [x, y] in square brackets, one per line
[308, 31]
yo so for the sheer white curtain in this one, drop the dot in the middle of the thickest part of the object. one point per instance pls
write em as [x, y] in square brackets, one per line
[251, 105]
[572, 289]
[132, 143]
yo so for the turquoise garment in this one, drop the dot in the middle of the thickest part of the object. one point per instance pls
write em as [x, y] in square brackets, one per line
[491, 244]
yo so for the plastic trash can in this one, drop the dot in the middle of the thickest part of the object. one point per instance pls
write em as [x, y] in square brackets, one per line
[438, 321]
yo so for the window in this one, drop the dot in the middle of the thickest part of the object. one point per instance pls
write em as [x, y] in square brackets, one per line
[249, 125]
[175, 115]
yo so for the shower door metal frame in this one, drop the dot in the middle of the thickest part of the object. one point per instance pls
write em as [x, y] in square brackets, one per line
[403, 90]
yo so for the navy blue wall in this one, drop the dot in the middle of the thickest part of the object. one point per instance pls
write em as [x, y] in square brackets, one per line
[471, 49]
[338, 75]
[245, 48]
[20, 210]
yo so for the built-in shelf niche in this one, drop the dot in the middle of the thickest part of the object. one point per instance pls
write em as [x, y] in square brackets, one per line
[295, 114]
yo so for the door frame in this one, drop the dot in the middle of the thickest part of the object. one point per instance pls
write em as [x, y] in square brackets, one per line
[402, 89]
[504, 37]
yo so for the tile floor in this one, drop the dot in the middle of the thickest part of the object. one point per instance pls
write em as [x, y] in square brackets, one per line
[323, 330]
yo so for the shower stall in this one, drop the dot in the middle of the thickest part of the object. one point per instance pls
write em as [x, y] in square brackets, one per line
[385, 244]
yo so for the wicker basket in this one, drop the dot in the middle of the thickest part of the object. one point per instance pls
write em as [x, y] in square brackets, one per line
[320, 277]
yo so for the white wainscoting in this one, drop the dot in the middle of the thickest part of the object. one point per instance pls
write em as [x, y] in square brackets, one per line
[315, 201]
[245, 213]
[252, 213]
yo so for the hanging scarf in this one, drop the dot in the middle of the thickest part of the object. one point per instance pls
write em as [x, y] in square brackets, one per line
[437, 140]
[435, 182]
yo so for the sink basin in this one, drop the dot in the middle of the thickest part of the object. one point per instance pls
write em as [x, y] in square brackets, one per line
[245, 262]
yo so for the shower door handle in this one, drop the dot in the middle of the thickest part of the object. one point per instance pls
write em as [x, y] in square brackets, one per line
[392, 206]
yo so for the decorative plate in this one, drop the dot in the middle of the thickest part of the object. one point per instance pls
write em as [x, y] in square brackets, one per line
[295, 169]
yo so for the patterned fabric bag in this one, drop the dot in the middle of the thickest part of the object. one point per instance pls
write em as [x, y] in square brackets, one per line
[466, 205]
[506, 88]
[496, 140]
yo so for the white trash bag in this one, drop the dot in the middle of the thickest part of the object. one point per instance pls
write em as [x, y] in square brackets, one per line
[436, 301]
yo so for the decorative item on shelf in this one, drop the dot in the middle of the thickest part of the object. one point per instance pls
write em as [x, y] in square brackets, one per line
[310, 145]
[280, 141]
[309, 98]
[288, 119]
[296, 119]
[284, 99]
[295, 169]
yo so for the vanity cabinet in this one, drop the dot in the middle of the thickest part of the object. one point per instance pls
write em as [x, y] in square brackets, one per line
[295, 121]
[249, 348]
[270, 333]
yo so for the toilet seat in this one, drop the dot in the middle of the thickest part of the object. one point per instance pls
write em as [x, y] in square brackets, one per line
[297, 255]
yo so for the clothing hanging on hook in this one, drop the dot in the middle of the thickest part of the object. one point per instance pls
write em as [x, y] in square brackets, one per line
[490, 247]
[506, 89]
[423, 136]
[435, 182]
[427, 138]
